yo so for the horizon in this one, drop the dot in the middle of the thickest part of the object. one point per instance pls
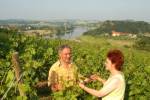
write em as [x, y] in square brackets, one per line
[48, 20]
[102, 10]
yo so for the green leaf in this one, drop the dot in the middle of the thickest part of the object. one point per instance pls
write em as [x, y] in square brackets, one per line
[10, 76]
[24, 87]
[147, 69]
[21, 97]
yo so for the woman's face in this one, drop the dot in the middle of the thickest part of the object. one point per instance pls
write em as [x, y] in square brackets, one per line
[108, 64]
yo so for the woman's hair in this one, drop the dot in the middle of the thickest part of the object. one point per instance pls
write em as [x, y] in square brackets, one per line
[116, 57]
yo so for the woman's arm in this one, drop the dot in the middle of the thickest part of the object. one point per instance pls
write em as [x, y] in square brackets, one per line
[89, 90]
[101, 80]
[104, 91]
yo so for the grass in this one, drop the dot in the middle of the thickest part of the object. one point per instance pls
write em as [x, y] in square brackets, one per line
[101, 40]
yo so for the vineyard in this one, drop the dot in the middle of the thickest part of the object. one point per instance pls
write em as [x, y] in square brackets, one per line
[36, 55]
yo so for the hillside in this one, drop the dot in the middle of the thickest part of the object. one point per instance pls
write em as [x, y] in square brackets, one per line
[133, 27]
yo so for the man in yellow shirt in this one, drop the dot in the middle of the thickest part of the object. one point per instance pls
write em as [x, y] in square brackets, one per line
[63, 73]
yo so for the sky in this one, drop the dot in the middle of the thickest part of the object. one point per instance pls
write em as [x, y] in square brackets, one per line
[76, 9]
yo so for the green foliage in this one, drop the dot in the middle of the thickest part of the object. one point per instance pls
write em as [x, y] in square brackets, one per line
[133, 27]
[143, 43]
[37, 56]
[21, 98]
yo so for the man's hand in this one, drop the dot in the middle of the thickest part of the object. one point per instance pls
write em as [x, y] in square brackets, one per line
[94, 77]
[56, 87]
[81, 85]
[87, 80]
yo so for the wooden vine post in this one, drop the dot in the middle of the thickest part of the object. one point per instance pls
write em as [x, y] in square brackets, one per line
[17, 69]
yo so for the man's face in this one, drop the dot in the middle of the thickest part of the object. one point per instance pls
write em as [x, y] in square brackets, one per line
[65, 55]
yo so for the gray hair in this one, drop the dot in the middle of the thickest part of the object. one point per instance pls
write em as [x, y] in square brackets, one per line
[63, 47]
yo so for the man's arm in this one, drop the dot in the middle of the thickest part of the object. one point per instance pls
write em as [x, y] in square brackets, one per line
[49, 79]
[53, 80]
[56, 87]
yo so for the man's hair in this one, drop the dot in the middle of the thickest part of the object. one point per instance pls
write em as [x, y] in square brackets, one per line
[63, 47]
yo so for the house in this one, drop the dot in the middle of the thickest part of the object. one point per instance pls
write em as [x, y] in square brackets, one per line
[114, 33]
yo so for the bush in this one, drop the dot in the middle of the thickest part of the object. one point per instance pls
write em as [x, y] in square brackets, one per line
[143, 43]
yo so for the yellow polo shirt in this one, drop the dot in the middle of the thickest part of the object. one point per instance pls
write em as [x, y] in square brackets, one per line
[65, 76]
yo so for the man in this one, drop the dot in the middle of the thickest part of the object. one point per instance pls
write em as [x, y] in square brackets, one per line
[63, 73]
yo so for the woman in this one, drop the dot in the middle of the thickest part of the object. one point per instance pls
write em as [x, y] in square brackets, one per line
[114, 87]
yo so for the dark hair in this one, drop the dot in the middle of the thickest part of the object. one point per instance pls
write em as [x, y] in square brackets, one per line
[116, 57]
[62, 47]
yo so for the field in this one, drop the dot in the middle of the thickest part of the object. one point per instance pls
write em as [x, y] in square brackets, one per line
[36, 55]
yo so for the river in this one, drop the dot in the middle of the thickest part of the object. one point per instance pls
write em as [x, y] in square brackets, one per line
[77, 32]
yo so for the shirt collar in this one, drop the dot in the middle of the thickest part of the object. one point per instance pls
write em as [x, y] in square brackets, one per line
[59, 63]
